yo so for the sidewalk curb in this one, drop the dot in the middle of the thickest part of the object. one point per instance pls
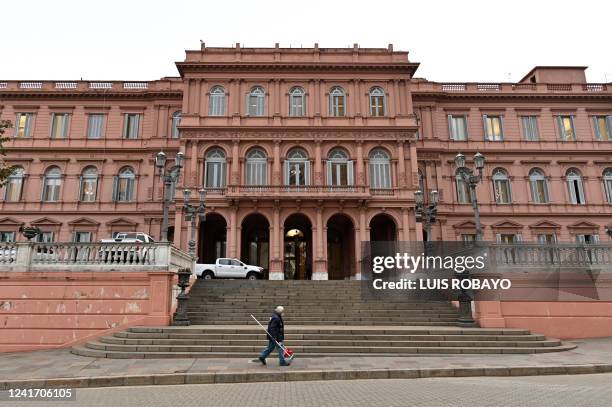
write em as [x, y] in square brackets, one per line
[304, 375]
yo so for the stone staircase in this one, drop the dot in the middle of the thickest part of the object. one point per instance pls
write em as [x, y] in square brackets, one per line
[323, 318]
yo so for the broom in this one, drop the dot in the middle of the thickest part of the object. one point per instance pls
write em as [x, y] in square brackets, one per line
[288, 354]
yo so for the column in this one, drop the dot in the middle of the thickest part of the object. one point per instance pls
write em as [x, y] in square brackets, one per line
[235, 178]
[391, 100]
[198, 96]
[359, 164]
[276, 164]
[316, 98]
[320, 235]
[401, 165]
[399, 109]
[276, 243]
[414, 165]
[178, 228]
[193, 181]
[318, 165]
[232, 232]
[405, 224]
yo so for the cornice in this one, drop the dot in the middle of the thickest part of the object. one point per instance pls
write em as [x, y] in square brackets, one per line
[424, 96]
[184, 67]
[29, 94]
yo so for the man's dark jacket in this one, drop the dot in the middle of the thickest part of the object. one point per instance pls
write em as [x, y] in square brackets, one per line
[276, 328]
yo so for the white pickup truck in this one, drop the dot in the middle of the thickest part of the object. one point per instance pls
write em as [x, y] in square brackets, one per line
[228, 268]
[133, 253]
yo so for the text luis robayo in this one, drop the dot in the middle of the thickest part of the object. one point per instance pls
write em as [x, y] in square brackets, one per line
[455, 266]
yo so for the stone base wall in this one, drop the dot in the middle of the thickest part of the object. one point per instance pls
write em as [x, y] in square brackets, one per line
[563, 320]
[41, 310]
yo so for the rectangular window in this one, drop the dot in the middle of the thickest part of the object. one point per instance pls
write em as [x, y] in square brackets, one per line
[131, 125]
[457, 127]
[493, 127]
[587, 239]
[59, 125]
[95, 126]
[23, 125]
[603, 127]
[547, 238]
[566, 128]
[468, 237]
[530, 128]
[45, 237]
[7, 237]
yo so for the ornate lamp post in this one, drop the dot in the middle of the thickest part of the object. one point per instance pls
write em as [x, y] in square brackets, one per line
[471, 179]
[193, 213]
[170, 178]
[427, 210]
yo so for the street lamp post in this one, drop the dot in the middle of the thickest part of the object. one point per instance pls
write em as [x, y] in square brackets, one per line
[427, 210]
[192, 214]
[471, 179]
[170, 177]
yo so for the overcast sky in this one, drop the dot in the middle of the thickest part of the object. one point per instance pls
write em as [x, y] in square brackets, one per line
[453, 40]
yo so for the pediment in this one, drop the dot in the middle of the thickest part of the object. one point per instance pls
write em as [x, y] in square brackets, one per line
[122, 222]
[10, 222]
[507, 224]
[84, 222]
[583, 225]
[46, 221]
[545, 224]
[468, 224]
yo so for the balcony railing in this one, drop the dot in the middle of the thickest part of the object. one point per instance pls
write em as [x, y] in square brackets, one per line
[569, 255]
[297, 190]
[471, 87]
[69, 256]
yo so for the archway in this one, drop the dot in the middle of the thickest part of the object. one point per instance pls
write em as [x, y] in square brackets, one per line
[297, 252]
[340, 247]
[212, 238]
[255, 241]
[382, 229]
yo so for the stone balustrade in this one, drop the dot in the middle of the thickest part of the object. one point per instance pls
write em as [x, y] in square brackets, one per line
[559, 255]
[70, 256]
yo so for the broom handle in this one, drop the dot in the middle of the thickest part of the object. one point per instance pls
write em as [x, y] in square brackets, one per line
[264, 328]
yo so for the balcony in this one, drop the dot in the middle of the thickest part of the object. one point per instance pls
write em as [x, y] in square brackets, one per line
[510, 88]
[69, 256]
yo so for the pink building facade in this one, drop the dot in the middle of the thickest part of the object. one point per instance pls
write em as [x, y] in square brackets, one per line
[305, 153]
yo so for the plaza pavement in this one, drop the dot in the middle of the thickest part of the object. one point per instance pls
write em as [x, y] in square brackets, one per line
[60, 368]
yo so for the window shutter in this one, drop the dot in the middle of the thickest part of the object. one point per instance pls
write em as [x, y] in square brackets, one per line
[66, 123]
[125, 125]
[349, 168]
[581, 192]
[28, 124]
[596, 127]
[450, 127]
[501, 127]
[286, 171]
[307, 172]
[80, 190]
[329, 172]
[560, 127]
[498, 238]
[519, 237]
[487, 136]
[115, 185]
[44, 186]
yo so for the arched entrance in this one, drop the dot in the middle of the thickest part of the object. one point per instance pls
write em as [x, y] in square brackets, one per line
[255, 241]
[340, 247]
[213, 238]
[382, 229]
[297, 253]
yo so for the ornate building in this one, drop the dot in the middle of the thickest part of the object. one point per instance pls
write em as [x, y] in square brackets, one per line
[305, 153]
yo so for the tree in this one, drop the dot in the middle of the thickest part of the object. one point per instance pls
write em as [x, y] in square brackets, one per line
[5, 170]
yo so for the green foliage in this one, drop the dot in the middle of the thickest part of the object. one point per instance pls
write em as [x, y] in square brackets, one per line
[5, 170]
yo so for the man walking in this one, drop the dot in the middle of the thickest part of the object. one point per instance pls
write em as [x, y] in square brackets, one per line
[276, 333]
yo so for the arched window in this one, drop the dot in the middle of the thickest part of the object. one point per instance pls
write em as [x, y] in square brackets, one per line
[607, 181]
[214, 171]
[297, 102]
[123, 188]
[88, 187]
[377, 102]
[463, 189]
[339, 168]
[257, 167]
[538, 186]
[297, 168]
[216, 104]
[574, 186]
[14, 185]
[176, 120]
[501, 186]
[337, 102]
[256, 101]
[52, 185]
[380, 169]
